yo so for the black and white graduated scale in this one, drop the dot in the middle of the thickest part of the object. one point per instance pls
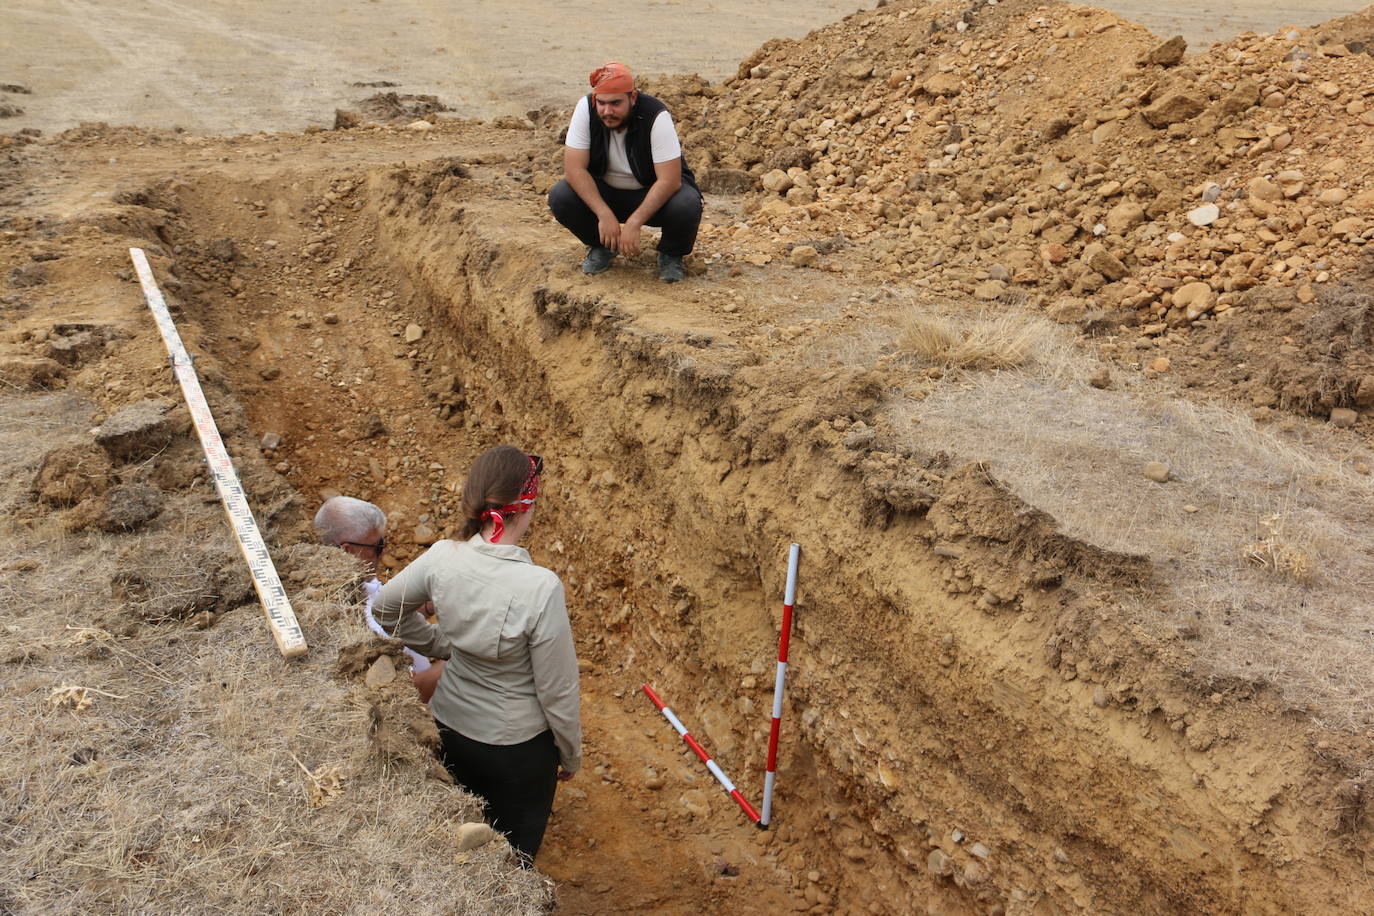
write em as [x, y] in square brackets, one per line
[282, 619]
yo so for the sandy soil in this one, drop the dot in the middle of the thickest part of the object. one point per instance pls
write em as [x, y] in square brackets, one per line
[271, 66]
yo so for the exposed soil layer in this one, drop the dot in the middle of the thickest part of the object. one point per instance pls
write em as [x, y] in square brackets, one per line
[974, 722]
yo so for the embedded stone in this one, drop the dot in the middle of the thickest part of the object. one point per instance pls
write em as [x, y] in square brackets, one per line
[1104, 262]
[1174, 107]
[136, 431]
[1196, 299]
[1204, 215]
[1157, 471]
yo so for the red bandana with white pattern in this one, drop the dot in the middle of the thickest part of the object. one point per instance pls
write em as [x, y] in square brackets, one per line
[524, 503]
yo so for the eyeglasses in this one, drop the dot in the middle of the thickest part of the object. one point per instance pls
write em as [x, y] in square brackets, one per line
[537, 463]
[377, 548]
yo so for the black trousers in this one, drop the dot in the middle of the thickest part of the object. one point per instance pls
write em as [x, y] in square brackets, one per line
[679, 218]
[516, 783]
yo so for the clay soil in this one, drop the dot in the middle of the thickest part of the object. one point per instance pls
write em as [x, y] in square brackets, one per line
[953, 294]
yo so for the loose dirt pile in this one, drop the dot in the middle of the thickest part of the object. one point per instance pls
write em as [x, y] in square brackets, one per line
[1062, 157]
[1030, 538]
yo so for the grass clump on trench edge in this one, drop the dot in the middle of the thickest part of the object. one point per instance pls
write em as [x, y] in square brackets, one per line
[177, 770]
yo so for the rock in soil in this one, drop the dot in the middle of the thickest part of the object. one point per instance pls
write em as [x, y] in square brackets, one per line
[136, 431]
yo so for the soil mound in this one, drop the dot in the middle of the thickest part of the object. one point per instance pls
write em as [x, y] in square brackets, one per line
[1055, 155]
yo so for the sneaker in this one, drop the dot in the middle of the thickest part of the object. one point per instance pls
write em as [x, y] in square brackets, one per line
[597, 260]
[671, 268]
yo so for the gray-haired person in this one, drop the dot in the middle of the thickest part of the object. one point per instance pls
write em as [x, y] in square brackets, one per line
[359, 528]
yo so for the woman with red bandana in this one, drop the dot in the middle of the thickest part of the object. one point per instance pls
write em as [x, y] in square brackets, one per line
[507, 703]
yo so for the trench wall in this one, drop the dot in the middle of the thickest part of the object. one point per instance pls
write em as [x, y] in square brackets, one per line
[969, 718]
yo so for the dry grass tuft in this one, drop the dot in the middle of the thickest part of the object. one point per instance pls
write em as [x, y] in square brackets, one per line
[1277, 552]
[1007, 339]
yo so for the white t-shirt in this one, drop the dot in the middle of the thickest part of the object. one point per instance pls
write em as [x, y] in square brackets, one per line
[662, 139]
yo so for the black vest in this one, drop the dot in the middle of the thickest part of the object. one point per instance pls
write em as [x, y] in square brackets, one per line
[638, 144]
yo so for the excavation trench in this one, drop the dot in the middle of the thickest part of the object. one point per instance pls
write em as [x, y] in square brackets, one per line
[968, 727]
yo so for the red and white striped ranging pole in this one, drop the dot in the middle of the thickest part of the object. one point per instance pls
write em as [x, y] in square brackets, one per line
[771, 772]
[701, 752]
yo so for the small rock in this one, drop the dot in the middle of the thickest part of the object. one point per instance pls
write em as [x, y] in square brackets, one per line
[1157, 471]
[424, 535]
[123, 508]
[1160, 364]
[777, 181]
[419, 125]
[1364, 392]
[381, 672]
[1174, 107]
[1069, 310]
[1204, 215]
[694, 800]
[1167, 54]
[1101, 377]
[1104, 262]
[268, 373]
[1125, 216]
[136, 431]
[1196, 299]
[472, 835]
[345, 119]
[371, 426]
[72, 346]
[222, 249]
[804, 256]
[31, 274]
[943, 84]
[989, 290]
[1343, 416]
[939, 863]
[413, 333]
[1264, 189]
[1353, 225]
[270, 441]
[1100, 697]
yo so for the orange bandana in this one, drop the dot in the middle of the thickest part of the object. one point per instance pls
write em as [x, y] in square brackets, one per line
[612, 77]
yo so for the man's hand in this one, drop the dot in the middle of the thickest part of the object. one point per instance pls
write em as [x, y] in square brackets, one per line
[629, 239]
[608, 227]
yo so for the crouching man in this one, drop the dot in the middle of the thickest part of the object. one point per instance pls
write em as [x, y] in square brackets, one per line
[359, 529]
[623, 169]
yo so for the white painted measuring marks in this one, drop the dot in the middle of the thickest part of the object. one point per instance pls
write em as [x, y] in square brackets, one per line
[280, 617]
[770, 772]
[775, 725]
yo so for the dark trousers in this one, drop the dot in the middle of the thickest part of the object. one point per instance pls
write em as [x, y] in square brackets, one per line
[516, 783]
[679, 218]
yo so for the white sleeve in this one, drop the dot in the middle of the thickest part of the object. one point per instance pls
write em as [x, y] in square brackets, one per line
[662, 137]
[579, 132]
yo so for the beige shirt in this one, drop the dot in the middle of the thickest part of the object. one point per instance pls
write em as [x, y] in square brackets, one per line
[503, 626]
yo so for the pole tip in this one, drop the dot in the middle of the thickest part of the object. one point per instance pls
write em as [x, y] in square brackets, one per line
[761, 825]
